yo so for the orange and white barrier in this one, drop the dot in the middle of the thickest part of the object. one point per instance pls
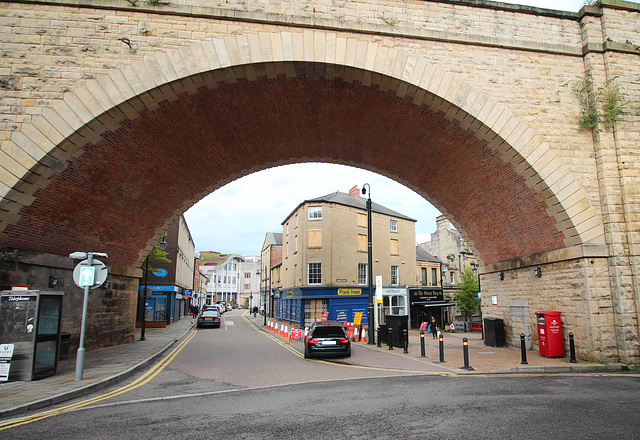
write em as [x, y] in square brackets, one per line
[286, 331]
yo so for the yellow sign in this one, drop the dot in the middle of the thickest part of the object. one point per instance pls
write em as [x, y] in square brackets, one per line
[357, 320]
[349, 292]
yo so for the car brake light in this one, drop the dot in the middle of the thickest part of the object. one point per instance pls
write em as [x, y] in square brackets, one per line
[217, 319]
[313, 340]
[344, 340]
[199, 318]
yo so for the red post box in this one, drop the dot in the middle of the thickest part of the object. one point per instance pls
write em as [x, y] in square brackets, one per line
[550, 334]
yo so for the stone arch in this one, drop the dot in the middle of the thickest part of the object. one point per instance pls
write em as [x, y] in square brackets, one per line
[103, 105]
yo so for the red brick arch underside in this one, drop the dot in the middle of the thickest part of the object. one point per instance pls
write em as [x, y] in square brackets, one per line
[118, 192]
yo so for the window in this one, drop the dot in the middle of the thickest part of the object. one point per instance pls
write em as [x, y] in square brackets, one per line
[394, 247]
[362, 219]
[362, 243]
[295, 245]
[315, 212]
[287, 228]
[434, 276]
[315, 273]
[247, 286]
[453, 277]
[314, 238]
[394, 276]
[362, 273]
[393, 226]
[424, 276]
[247, 274]
[295, 221]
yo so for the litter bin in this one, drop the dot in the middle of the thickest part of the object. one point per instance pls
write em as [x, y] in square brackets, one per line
[397, 323]
[65, 342]
[550, 339]
[494, 332]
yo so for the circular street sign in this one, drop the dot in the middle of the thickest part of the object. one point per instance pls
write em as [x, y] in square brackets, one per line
[82, 274]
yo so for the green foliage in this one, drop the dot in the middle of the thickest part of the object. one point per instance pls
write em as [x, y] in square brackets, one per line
[466, 297]
[389, 21]
[156, 255]
[605, 104]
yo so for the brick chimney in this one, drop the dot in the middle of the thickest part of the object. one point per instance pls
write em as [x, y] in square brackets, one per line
[355, 192]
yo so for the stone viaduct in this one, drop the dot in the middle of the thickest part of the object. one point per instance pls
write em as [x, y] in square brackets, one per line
[117, 116]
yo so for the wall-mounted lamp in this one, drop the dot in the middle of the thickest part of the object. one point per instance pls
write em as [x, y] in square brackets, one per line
[53, 281]
[501, 276]
[537, 271]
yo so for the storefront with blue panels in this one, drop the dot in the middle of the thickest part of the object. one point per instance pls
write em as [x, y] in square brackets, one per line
[304, 305]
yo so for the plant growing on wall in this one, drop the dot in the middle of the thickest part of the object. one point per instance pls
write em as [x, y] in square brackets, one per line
[605, 104]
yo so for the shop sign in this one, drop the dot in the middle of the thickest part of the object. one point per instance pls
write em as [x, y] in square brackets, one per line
[349, 292]
[6, 353]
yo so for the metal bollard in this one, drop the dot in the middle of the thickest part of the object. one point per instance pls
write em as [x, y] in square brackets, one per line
[422, 354]
[390, 340]
[572, 348]
[465, 349]
[405, 337]
[379, 340]
[523, 349]
[441, 347]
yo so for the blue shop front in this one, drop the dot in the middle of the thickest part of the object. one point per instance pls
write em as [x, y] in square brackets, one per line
[305, 305]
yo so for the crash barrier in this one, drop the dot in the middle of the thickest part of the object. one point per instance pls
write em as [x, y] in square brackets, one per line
[295, 334]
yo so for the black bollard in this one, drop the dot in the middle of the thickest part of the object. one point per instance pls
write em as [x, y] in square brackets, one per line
[405, 337]
[441, 347]
[379, 340]
[572, 348]
[465, 350]
[422, 354]
[523, 349]
[390, 340]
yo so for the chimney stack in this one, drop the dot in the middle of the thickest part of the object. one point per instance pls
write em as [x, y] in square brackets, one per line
[355, 192]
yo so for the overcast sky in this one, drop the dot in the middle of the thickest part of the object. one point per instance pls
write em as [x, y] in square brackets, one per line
[235, 218]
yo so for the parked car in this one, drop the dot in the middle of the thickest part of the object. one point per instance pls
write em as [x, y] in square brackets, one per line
[209, 318]
[213, 307]
[327, 338]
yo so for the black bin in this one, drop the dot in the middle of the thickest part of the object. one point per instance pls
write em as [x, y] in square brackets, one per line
[384, 333]
[397, 323]
[494, 332]
[65, 343]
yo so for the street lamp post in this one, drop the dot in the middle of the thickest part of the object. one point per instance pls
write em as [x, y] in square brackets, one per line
[371, 339]
[162, 245]
[475, 267]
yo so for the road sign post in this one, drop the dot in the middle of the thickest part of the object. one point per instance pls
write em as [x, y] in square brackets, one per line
[85, 275]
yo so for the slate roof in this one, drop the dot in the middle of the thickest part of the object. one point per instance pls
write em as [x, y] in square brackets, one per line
[346, 199]
[422, 255]
[275, 238]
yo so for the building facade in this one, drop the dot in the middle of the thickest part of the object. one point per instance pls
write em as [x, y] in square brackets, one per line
[223, 272]
[270, 278]
[324, 260]
[426, 298]
[166, 285]
[250, 273]
[448, 246]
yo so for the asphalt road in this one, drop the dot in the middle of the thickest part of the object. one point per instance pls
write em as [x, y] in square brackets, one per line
[237, 382]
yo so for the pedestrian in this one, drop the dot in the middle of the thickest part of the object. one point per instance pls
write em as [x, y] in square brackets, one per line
[434, 327]
[261, 309]
[255, 311]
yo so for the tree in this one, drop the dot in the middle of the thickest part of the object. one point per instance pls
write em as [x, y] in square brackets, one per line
[466, 297]
[156, 255]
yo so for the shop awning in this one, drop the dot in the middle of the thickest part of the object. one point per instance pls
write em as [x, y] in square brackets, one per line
[433, 304]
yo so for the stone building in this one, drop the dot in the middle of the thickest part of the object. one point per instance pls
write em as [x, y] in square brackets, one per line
[325, 254]
[271, 266]
[249, 291]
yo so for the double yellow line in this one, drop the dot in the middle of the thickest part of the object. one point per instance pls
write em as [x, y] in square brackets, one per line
[145, 378]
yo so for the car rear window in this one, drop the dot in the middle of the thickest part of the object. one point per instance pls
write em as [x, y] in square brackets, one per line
[328, 332]
[210, 313]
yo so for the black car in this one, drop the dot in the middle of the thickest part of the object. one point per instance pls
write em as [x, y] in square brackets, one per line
[327, 338]
[209, 318]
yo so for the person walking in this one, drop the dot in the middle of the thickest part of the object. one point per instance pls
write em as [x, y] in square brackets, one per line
[255, 311]
[434, 327]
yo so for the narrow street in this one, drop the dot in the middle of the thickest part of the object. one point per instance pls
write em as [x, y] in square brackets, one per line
[239, 382]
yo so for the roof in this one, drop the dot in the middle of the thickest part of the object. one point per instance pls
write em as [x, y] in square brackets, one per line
[275, 238]
[345, 199]
[422, 255]
[209, 258]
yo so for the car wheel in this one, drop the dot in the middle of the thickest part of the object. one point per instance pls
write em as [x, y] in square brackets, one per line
[348, 353]
[307, 353]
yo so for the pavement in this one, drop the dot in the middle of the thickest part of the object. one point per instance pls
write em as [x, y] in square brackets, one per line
[108, 366]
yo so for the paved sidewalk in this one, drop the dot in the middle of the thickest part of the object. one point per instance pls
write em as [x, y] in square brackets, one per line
[102, 368]
[110, 365]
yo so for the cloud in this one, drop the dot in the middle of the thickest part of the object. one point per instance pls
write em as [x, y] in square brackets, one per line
[236, 217]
